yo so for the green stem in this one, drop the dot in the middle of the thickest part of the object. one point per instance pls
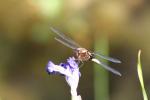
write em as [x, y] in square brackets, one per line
[101, 91]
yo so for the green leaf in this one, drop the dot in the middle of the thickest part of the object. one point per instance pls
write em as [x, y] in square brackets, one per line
[140, 75]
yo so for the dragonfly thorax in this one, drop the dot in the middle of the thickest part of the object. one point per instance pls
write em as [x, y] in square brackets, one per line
[83, 54]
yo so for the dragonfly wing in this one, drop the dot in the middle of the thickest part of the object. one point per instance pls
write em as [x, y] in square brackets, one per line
[107, 58]
[106, 67]
[64, 43]
[64, 37]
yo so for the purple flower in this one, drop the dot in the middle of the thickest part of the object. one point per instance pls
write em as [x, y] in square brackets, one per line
[69, 69]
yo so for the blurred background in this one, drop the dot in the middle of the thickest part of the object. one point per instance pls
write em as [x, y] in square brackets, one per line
[118, 28]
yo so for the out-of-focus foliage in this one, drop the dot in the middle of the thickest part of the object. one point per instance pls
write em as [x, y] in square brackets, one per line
[26, 45]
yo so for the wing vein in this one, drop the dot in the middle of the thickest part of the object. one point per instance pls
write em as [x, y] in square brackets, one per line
[64, 43]
[106, 67]
[108, 58]
[64, 37]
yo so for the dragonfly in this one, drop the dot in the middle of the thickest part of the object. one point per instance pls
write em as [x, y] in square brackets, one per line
[82, 54]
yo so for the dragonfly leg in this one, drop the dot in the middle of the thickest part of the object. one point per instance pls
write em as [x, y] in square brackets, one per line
[81, 65]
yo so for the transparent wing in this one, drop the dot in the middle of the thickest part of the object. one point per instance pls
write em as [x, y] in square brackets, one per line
[106, 67]
[107, 58]
[64, 37]
[64, 43]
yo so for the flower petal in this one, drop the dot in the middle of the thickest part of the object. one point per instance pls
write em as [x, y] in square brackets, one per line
[72, 62]
[70, 70]
[57, 69]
